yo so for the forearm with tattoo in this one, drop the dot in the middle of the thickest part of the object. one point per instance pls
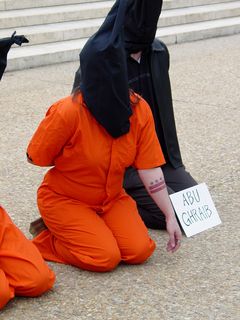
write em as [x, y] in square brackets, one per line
[154, 182]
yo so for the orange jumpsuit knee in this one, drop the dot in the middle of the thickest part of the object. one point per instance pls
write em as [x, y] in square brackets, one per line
[129, 230]
[76, 234]
[23, 272]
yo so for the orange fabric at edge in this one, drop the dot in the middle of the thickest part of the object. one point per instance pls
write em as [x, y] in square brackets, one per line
[23, 271]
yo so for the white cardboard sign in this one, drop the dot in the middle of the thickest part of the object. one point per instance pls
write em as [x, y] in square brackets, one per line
[195, 209]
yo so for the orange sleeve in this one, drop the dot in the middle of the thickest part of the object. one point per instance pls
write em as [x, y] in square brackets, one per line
[51, 135]
[149, 152]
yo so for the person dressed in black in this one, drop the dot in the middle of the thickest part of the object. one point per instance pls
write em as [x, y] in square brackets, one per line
[5, 45]
[148, 66]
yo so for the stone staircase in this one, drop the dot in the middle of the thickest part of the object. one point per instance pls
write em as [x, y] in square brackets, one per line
[58, 29]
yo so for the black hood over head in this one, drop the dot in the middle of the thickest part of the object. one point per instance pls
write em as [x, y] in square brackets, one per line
[5, 45]
[141, 24]
[104, 82]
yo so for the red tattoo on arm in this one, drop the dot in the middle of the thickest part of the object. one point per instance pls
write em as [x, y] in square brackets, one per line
[157, 185]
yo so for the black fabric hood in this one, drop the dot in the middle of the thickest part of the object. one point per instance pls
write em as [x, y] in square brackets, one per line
[141, 24]
[5, 45]
[104, 82]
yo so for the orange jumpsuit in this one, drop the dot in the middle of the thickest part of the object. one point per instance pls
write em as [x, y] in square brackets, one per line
[23, 272]
[92, 223]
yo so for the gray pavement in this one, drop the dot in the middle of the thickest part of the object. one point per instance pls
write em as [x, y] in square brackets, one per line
[201, 280]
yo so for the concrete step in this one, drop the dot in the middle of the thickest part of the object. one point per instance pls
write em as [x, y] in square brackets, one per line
[55, 14]
[24, 4]
[63, 51]
[199, 13]
[57, 31]
[54, 32]
[174, 4]
[199, 31]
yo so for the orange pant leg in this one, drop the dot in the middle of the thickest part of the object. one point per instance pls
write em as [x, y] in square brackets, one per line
[22, 264]
[76, 234]
[6, 292]
[129, 231]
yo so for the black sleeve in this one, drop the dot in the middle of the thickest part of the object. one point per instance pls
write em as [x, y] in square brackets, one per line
[77, 80]
[166, 52]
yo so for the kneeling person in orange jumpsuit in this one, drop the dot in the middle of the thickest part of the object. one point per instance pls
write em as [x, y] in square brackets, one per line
[89, 139]
[23, 271]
